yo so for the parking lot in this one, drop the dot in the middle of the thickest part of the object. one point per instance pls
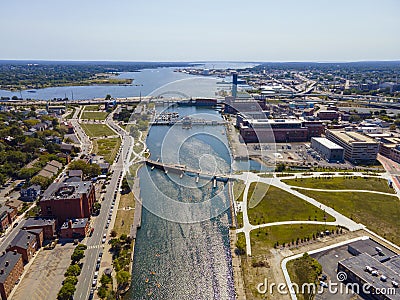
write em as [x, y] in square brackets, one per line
[328, 260]
[296, 154]
[44, 278]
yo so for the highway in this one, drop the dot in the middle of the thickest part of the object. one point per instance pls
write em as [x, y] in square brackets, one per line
[94, 243]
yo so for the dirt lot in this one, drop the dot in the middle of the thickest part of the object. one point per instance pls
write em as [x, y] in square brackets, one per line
[44, 277]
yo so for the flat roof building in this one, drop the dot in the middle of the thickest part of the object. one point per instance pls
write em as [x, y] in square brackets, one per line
[68, 200]
[327, 149]
[76, 228]
[357, 147]
[47, 225]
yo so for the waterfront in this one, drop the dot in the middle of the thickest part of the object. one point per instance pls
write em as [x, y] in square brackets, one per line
[182, 250]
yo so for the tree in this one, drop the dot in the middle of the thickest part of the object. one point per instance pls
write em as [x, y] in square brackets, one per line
[241, 246]
[123, 278]
[104, 280]
[73, 270]
[71, 279]
[67, 292]
[108, 97]
[81, 247]
[77, 255]
[102, 292]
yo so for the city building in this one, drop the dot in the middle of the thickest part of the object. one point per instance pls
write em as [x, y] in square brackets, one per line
[76, 228]
[27, 242]
[373, 265]
[357, 147]
[11, 268]
[7, 216]
[328, 149]
[390, 147]
[75, 173]
[68, 200]
[328, 115]
[47, 225]
[278, 130]
[31, 193]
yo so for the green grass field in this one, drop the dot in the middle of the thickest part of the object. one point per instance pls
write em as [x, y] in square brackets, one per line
[278, 205]
[92, 107]
[341, 183]
[97, 130]
[125, 215]
[380, 213]
[304, 270]
[265, 238]
[238, 189]
[107, 148]
[94, 115]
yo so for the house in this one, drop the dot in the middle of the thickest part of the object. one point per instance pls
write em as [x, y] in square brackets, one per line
[104, 167]
[15, 204]
[26, 243]
[56, 164]
[47, 225]
[76, 228]
[11, 268]
[7, 216]
[75, 173]
[66, 148]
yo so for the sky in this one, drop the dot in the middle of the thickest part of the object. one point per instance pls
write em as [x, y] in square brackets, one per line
[206, 30]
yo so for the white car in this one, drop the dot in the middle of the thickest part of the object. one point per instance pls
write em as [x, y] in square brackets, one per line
[94, 283]
[103, 240]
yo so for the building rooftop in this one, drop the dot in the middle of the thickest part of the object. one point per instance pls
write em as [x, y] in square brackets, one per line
[371, 247]
[7, 264]
[56, 164]
[25, 238]
[75, 173]
[352, 137]
[358, 265]
[66, 190]
[327, 143]
[75, 223]
[31, 222]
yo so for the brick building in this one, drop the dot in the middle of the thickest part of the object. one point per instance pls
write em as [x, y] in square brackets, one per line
[68, 200]
[26, 243]
[11, 268]
[7, 216]
[76, 228]
[47, 225]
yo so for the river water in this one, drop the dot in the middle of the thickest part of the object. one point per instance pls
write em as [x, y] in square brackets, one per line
[182, 250]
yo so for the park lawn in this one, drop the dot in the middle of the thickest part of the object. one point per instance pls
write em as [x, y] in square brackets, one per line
[92, 107]
[343, 183]
[124, 218]
[278, 205]
[97, 130]
[108, 148]
[239, 217]
[238, 190]
[94, 115]
[304, 270]
[265, 238]
[380, 213]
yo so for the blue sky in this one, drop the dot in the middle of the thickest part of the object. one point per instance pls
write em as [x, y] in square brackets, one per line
[177, 30]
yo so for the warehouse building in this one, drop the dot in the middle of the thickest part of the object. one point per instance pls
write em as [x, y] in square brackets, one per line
[328, 149]
[357, 147]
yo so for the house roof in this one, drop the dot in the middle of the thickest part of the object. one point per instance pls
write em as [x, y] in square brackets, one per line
[7, 264]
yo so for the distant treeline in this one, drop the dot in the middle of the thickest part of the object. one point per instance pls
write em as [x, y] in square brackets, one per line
[16, 75]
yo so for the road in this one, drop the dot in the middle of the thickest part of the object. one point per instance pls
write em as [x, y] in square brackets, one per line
[94, 243]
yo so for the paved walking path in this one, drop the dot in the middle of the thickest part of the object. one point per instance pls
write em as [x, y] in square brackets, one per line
[340, 219]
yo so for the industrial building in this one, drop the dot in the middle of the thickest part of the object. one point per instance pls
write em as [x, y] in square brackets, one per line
[328, 115]
[357, 147]
[327, 149]
[68, 200]
[278, 130]
[375, 266]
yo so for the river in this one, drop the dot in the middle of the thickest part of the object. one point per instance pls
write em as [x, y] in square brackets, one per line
[182, 250]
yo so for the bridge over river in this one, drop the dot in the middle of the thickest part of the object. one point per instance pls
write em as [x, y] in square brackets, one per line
[182, 169]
